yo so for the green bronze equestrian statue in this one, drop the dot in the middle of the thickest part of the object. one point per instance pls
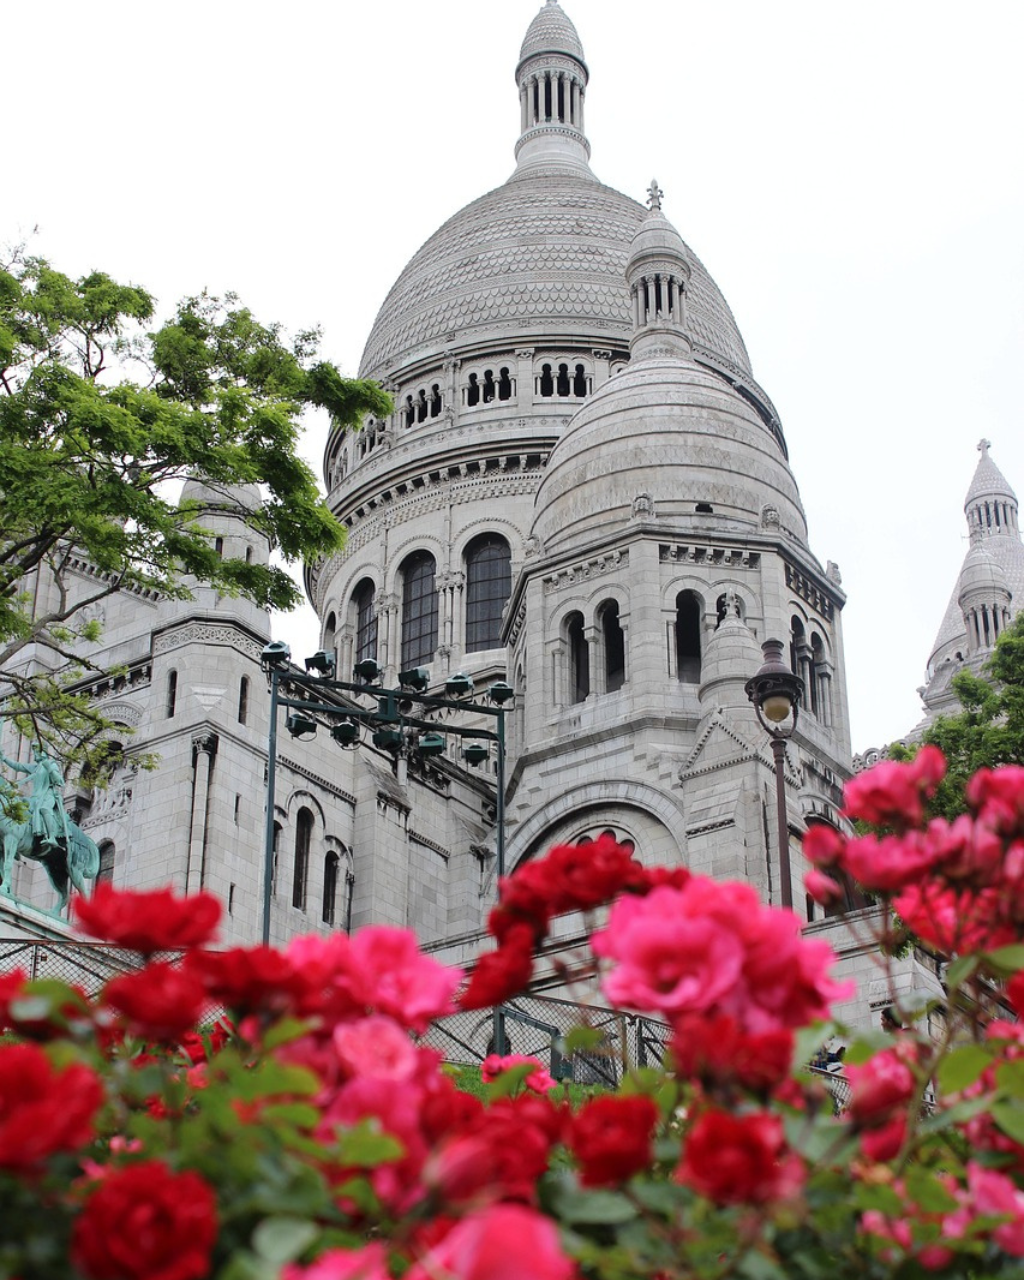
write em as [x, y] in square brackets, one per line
[49, 836]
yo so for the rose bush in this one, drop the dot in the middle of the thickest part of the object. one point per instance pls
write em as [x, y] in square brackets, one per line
[313, 1135]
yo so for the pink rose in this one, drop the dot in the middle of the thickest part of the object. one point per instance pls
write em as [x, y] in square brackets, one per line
[502, 1242]
[375, 1047]
[401, 981]
[539, 1081]
[368, 1263]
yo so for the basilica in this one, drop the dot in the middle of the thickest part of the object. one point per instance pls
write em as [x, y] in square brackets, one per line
[582, 492]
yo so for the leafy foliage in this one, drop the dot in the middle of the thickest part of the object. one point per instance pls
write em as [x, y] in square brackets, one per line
[91, 461]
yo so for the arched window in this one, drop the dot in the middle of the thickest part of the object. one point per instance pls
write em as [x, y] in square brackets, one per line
[330, 631]
[562, 384]
[504, 385]
[797, 641]
[330, 888]
[579, 382]
[489, 389]
[409, 412]
[419, 610]
[366, 620]
[421, 405]
[488, 585]
[814, 693]
[277, 850]
[248, 555]
[303, 840]
[243, 699]
[105, 875]
[546, 385]
[172, 693]
[435, 400]
[688, 621]
[614, 647]
[218, 546]
[579, 658]
[473, 391]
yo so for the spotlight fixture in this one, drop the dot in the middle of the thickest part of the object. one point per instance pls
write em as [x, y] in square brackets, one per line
[458, 686]
[275, 655]
[368, 670]
[418, 679]
[346, 734]
[300, 726]
[431, 744]
[475, 753]
[500, 693]
[388, 739]
[322, 661]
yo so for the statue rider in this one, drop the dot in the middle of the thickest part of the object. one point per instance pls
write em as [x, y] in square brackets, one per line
[48, 818]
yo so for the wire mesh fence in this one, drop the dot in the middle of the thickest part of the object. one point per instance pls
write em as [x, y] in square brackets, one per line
[87, 965]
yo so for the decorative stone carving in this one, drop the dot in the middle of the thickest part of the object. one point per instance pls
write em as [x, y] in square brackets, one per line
[770, 519]
[643, 506]
[833, 574]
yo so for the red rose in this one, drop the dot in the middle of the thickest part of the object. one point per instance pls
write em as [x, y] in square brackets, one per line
[148, 922]
[160, 1002]
[144, 1222]
[43, 1110]
[611, 1139]
[879, 1087]
[248, 979]
[503, 973]
[714, 1049]
[892, 794]
[739, 1159]
[11, 985]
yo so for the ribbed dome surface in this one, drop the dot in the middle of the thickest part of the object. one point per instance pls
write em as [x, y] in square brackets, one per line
[551, 32]
[988, 482]
[543, 255]
[981, 572]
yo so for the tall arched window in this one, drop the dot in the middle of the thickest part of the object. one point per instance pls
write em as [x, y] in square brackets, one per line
[797, 641]
[243, 699]
[688, 620]
[105, 874]
[366, 620]
[419, 610]
[814, 693]
[579, 658]
[488, 585]
[330, 632]
[277, 854]
[172, 693]
[303, 840]
[614, 647]
[330, 888]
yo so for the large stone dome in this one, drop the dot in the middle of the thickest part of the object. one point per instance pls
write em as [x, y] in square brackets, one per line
[541, 257]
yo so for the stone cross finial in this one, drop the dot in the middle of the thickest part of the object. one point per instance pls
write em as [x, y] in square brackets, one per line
[654, 195]
[984, 446]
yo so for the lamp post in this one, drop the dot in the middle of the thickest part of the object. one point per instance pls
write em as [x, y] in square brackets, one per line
[399, 723]
[776, 691]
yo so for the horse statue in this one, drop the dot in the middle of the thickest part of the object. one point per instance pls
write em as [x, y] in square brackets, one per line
[48, 835]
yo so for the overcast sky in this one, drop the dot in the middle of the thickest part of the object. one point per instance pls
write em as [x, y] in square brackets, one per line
[851, 175]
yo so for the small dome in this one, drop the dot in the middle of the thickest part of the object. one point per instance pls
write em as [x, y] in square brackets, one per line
[551, 31]
[731, 656]
[981, 573]
[656, 237]
[988, 481]
[670, 429]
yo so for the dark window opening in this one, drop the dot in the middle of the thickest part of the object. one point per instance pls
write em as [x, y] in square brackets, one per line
[172, 693]
[614, 648]
[410, 412]
[303, 840]
[419, 610]
[488, 586]
[105, 874]
[561, 99]
[796, 644]
[473, 391]
[488, 387]
[330, 889]
[504, 385]
[579, 382]
[277, 850]
[579, 659]
[562, 386]
[421, 406]
[547, 383]
[704, 509]
[248, 555]
[435, 400]
[218, 546]
[243, 699]
[688, 626]
[366, 620]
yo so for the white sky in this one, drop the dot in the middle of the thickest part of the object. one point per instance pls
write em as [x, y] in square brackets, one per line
[850, 174]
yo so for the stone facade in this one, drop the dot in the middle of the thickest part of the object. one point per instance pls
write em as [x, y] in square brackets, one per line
[582, 489]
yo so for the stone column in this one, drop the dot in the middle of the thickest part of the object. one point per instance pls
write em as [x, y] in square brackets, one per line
[204, 749]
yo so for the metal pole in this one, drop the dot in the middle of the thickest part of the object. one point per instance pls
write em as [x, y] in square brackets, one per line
[268, 839]
[785, 878]
[499, 817]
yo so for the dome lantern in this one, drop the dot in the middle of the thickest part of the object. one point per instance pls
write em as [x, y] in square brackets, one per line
[658, 276]
[552, 78]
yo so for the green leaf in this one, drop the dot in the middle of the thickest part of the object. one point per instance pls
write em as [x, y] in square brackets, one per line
[365, 1146]
[758, 1266]
[962, 1067]
[659, 1197]
[1010, 1119]
[572, 1203]
[925, 1190]
[280, 1240]
[509, 1082]
[960, 970]
[583, 1038]
[1006, 960]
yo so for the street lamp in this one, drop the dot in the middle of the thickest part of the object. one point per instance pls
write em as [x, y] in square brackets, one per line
[775, 692]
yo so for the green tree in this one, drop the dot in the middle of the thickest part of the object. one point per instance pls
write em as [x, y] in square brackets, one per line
[989, 730]
[99, 416]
